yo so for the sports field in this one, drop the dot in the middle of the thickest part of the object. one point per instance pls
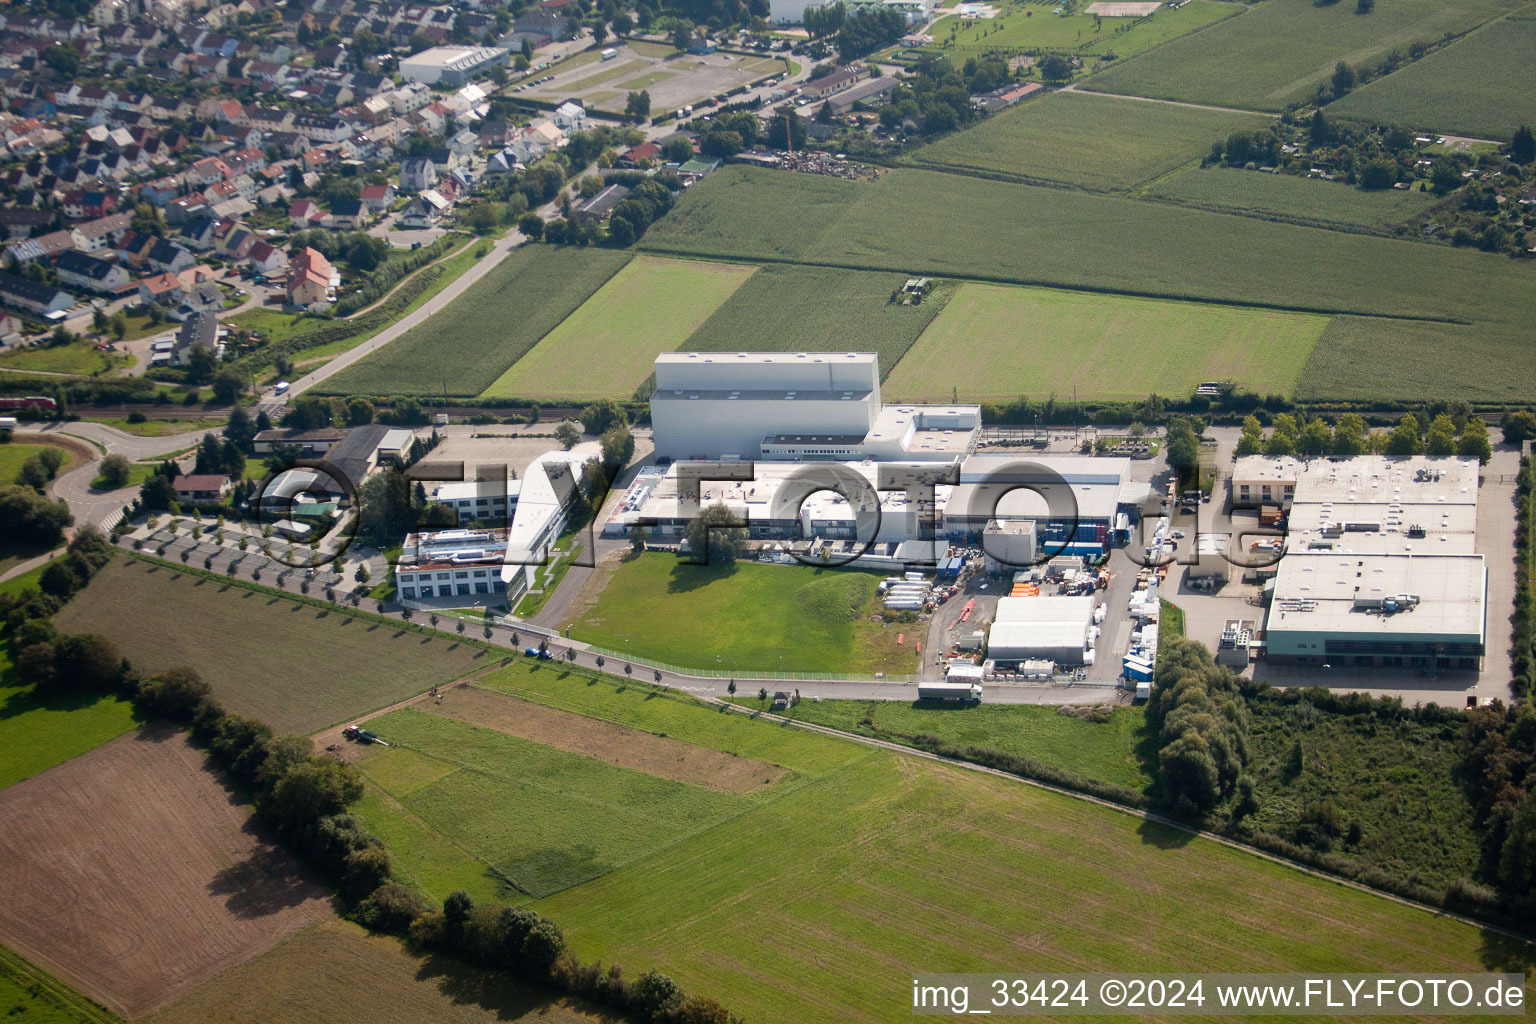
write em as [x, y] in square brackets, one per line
[1481, 85]
[605, 349]
[746, 616]
[271, 657]
[814, 309]
[819, 899]
[1278, 52]
[1032, 26]
[134, 874]
[1289, 198]
[465, 347]
[36, 734]
[1097, 142]
[995, 342]
[336, 964]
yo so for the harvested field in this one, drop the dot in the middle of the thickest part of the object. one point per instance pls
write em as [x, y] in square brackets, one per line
[617, 744]
[337, 964]
[268, 656]
[134, 874]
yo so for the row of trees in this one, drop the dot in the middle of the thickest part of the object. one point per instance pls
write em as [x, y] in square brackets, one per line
[1498, 749]
[1350, 436]
[1202, 722]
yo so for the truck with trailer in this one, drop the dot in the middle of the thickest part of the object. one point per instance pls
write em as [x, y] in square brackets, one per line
[965, 693]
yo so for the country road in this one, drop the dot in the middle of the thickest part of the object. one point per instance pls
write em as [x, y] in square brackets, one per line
[273, 404]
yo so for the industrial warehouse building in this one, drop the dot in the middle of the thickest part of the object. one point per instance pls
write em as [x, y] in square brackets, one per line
[451, 65]
[1056, 629]
[796, 407]
[1015, 524]
[1381, 566]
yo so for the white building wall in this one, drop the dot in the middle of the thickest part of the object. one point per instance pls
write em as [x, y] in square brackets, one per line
[710, 428]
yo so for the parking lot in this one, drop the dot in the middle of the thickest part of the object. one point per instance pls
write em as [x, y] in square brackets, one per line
[672, 82]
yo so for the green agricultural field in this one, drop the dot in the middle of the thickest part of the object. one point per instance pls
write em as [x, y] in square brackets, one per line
[606, 347]
[576, 817]
[1063, 137]
[747, 616]
[36, 734]
[295, 666]
[804, 309]
[1278, 52]
[1286, 197]
[1032, 26]
[1353, 358]
[954, 226]
[1105, 751]
[994, 342]
[1481, 85]
[740, 213]
[466, 346]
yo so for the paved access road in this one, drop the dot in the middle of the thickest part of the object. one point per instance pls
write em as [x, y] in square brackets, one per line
[118, 442]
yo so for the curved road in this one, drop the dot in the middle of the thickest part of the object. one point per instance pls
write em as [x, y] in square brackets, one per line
[118, 442]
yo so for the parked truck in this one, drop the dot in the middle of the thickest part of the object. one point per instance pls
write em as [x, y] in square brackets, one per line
[968, 693]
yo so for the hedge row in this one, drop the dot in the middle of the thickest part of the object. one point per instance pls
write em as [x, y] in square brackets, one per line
[385, 278]
[1523, 657]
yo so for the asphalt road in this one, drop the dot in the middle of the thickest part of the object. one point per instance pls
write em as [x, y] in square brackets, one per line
[118, 442]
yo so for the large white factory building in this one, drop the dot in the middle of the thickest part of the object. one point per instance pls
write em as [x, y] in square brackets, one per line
[796, 407]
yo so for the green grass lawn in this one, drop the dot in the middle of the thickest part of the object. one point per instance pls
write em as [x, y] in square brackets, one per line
[746, 616]
[38, 733]
[1061, 137]
[605, 348]
[548, 580]
[472, 342]
[1480, 86]
[1032, 26]
[1278, 52]
[578, 817]
[274, 324]
[1289, 198]
[995, 342]
[137, 474]
[15, 453]
[811, 309]
[32, 996]
[1104, 751]
[78, 358]
[163, 428]
[296, 666]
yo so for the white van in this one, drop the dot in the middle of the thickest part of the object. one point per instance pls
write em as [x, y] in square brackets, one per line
[282, 386]
[609, 54]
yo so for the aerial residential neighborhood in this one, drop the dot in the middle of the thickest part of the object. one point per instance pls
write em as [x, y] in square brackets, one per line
[772, 511]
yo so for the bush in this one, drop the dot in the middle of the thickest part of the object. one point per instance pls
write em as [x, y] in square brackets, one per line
[389, 908]
[174, 694]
